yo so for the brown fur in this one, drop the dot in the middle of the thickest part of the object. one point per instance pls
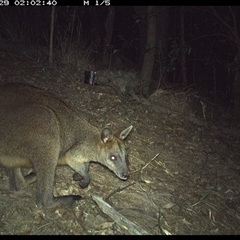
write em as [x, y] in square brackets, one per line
[39, 130]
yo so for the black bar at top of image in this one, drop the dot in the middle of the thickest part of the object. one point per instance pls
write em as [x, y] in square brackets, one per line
[97, 3]
[100, 3]
[117, 2]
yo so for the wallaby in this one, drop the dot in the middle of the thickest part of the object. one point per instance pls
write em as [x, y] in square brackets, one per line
[40, 131]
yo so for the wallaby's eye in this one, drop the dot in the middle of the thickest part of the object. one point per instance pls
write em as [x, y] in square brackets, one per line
[113, 157]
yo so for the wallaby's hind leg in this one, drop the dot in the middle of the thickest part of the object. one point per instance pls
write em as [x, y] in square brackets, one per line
[16, 179]
[30, 178]
[45, 180]
[45, 183]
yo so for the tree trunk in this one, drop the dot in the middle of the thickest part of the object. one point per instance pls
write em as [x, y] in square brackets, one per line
[161, 42]
[108, 38]
[148, 61]
[183, 52]
[236, 88]
[51, 36]
[141, 13]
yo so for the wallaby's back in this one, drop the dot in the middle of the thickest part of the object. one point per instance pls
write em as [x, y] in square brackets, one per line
[18, 95]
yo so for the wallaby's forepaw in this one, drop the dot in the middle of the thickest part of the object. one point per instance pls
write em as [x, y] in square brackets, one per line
[82, 181]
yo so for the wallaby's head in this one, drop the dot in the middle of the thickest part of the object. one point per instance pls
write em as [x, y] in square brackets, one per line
[113, 152]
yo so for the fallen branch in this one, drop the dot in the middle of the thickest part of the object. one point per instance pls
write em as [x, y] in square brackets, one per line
[122, 221]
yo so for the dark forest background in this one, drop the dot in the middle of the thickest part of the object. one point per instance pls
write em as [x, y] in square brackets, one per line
[169, 46]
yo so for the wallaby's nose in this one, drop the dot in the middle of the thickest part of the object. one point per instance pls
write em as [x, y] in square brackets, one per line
[124, 176]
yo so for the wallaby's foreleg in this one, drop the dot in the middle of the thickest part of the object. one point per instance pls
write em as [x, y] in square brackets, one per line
[82, 175]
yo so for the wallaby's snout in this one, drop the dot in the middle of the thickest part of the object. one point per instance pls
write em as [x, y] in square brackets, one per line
[124, 175]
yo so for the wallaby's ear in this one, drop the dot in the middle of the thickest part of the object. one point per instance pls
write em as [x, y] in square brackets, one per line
[123, 134]
[106, 134]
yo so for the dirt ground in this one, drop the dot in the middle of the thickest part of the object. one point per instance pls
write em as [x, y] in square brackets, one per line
[184, 162]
